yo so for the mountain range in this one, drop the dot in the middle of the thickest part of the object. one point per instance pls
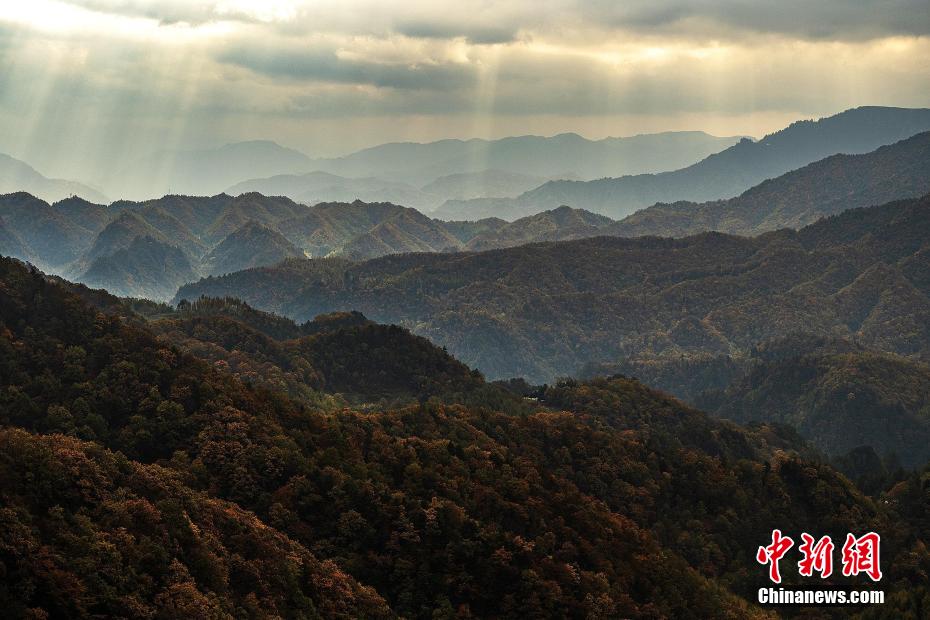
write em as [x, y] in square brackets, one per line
[565, 155]
[222, 234]
[800, 197]
[425, 176]
[542, 310]
[721, 175]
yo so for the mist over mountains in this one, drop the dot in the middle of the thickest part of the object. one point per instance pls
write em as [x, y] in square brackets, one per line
[543, 310]
[351, 377]
[433, 310]
[416, 175]
[722, 175]
[18, 176]
[190, 237]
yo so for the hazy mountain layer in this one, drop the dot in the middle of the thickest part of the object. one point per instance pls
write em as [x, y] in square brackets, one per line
[798, 198]
[18, 176]
[202, 172]
[467, 185]
[69, 236]
[315, 187]
[563, 156]
[544, 310]
[722, 175]
[146, 267]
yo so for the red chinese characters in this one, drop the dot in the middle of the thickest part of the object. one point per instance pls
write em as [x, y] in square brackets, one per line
[817, 556]
[773, 553]
[860, 555]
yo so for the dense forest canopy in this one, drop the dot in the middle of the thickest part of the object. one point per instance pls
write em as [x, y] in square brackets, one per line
[600, 499]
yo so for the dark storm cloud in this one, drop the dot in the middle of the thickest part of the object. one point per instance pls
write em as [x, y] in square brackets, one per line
[325, 65]
[841, 20]
[479, 35]
[480, 21]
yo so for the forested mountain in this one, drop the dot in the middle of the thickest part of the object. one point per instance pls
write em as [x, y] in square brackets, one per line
[18, 176]
[214, 235]
[556, 225]
[89, 533]
[146, 267]
[609, 500]
[405, 230]
[839, 402]
[798, 198]
[544, 310]
[252, 245]
[340, 353]
[721, 175]
[838, 394]
[68, 237]
[54, 237]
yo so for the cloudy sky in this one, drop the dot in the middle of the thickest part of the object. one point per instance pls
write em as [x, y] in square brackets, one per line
[86, 83]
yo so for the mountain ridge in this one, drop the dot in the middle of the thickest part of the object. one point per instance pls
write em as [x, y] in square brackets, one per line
[729, 172]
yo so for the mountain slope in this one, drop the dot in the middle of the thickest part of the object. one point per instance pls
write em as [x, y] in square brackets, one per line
[840, 402]
[609, 499]
[146, 267]
[468, 185]
[18, 176]
[119, 234]
[53, 238]
[252, 245]
[559, 224]
[88, 532]
[12, 245]
[729, 172]
[563, 156]
[406, 231]
[544, 310]
[798, 198]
